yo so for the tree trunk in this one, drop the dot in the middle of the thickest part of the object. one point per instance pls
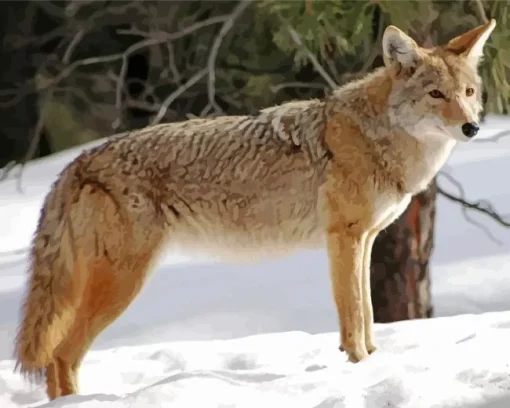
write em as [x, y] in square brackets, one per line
[400, 278]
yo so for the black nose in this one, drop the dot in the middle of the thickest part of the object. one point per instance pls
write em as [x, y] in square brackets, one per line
[470, 129]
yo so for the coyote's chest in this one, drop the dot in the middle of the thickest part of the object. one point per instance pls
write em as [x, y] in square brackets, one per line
[387, 207]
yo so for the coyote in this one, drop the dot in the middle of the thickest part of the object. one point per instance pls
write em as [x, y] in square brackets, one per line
[331, 172]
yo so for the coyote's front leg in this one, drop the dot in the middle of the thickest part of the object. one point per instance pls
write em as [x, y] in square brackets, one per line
[345, 252]
[368, 311]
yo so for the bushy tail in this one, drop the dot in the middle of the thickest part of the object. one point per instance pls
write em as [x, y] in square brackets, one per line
[49, 306]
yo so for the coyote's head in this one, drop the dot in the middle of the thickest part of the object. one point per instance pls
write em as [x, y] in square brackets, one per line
[436, 92]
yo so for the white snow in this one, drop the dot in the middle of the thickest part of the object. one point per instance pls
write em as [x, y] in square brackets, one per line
[205, 334]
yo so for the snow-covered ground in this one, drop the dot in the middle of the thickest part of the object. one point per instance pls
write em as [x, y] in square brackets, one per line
[204, 334]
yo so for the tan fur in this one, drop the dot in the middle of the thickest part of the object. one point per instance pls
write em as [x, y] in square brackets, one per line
[331, 172]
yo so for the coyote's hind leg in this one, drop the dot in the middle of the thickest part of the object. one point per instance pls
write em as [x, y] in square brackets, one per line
[115, 248]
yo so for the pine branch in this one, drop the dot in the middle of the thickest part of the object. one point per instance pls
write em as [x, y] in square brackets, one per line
[313, 59]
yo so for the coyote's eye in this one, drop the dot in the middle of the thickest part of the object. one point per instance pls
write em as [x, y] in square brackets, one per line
[436, 93]
[469, 91]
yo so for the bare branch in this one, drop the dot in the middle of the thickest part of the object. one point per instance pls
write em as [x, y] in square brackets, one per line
[50, 82]
[495, 138]
[153, 38]
[206, 110]
[163, 36]
[313, 59]
[140, 104]
[40, 40]
[233, 100]
[174, 95]
[72, 45]
[482, 206]
[211, 62]
[171, 63]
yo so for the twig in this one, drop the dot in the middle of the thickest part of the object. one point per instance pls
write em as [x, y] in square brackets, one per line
[171, 63]
[312, 58]
[174, 95]
[482, 206]
[233, 99]
[153, 38]
[158, 38]
[211, 61]
[206, 110]
[80, 63]
[140, 104]
[40, 40]
[494, 138]
[163, 36]
[72, 45]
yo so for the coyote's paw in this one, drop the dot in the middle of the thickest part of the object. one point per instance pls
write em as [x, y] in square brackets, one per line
[355, 354]
[371, 347]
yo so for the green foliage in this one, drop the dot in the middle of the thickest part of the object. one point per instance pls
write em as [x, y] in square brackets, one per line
[343, 31]
[328, 25]
[264, 58]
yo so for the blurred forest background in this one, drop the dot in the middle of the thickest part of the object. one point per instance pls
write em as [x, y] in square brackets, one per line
[75, 71]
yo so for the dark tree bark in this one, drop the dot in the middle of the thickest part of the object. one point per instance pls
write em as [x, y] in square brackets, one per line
[400, 278]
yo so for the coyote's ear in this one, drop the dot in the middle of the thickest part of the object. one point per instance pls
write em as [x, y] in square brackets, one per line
[399, 47]
[471, 43]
